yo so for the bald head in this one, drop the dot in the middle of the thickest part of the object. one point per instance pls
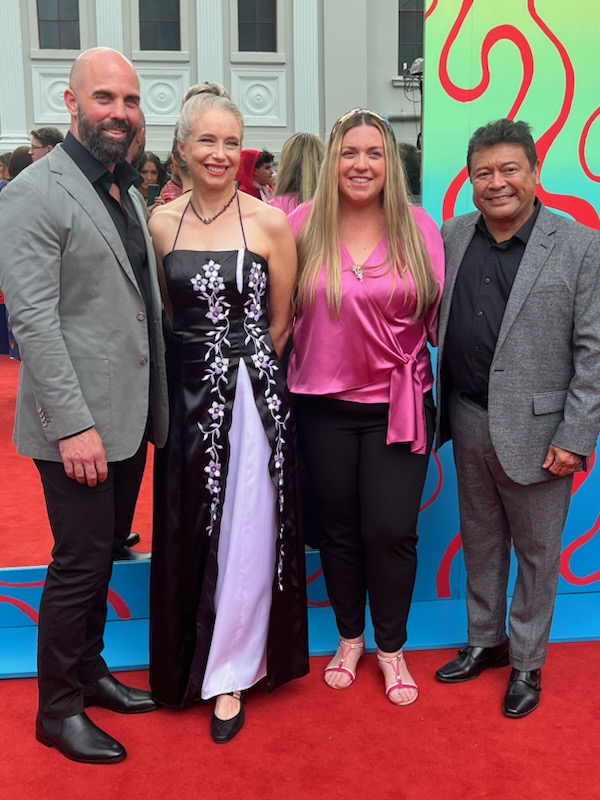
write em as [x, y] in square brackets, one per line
[98, 58]
[103, 100]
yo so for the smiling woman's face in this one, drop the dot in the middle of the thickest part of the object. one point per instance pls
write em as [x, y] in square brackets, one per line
[362, 165]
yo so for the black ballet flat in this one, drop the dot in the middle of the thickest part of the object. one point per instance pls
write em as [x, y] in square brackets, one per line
[223, 730]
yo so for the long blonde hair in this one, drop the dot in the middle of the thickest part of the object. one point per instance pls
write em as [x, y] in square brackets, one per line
[319, 241]
[299, 165]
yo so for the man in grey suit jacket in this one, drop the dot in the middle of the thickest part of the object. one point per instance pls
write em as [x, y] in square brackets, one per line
[519, 394]
[79, 276]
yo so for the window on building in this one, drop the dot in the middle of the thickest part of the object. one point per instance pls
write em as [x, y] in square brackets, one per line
[160, 25]
[410, 33]
[257, 26]
[58, 24]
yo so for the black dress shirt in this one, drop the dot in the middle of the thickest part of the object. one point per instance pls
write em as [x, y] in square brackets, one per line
[482, 288]
[123, 214]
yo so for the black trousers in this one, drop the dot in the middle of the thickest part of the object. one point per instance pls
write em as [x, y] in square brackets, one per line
[368, 495]
[88, 525]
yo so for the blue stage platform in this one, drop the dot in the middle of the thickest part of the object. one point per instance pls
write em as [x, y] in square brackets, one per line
[433, 623]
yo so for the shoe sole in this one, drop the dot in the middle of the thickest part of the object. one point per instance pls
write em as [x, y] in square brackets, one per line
[49, 743]
[520, 715]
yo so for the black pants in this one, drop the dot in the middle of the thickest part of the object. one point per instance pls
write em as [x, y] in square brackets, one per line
[88, 524]
[368, 495]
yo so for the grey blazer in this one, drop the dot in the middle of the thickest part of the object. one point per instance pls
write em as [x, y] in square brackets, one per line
[78, 316]
[544, 384]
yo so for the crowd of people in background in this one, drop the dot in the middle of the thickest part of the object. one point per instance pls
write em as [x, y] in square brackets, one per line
[284, 183]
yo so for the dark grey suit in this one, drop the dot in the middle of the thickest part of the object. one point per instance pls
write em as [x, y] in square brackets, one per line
[544, 387]
[84, 331]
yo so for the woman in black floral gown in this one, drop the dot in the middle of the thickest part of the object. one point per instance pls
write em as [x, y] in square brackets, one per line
[228, 598]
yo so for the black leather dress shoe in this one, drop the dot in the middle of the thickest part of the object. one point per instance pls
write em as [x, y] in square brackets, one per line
[523, 693]
[223, 730]
[110, 693]
[132, 539]
[79, 739]
[471, 661]
[127, 554]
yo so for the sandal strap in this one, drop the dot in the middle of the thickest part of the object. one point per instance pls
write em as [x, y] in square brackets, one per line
[351, 645]
[390, 659]
[346, 647]
[344, 670]
[399, 684]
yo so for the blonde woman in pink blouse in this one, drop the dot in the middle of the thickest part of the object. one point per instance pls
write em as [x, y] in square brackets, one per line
[371, 270]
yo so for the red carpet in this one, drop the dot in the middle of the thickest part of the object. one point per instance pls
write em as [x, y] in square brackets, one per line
[26, 537]
[308, 742]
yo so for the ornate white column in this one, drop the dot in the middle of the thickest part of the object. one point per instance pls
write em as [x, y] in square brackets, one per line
[345, 57]
[209, 38]
[13, 114]
[306, 66]
[109, 24]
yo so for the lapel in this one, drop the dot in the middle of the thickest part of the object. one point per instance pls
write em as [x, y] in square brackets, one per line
[540, 245]
[72, 180]
[456, 241]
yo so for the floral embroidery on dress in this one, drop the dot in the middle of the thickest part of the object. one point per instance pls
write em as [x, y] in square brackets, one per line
[266, 366]
[210, 284]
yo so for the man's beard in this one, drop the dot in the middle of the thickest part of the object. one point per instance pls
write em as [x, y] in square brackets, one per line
[104, 148]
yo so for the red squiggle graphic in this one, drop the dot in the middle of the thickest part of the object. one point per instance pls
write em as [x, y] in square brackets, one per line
[443, 576]
[566, 555]
[449, 202]
[431, 9]
[121, 608]
[30, 611]
[309, 580]
[440, 482]
[581, 477]
[577, 207]
[22, 585]
[466, 95]
[582, 144]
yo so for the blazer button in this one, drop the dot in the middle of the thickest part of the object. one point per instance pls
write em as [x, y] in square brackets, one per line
[141, 316]
[144, 360]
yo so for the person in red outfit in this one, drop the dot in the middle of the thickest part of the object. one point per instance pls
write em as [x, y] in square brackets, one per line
[255, 173]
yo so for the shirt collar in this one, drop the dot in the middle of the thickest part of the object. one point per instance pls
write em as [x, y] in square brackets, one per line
[524, 231]
[124, 174]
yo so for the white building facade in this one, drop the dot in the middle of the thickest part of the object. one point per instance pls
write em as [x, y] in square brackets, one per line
[320, 58]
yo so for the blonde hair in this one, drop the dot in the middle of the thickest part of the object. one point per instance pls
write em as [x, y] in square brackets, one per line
[319, 241]
[299, 165]
[197, 99]
[208, 87]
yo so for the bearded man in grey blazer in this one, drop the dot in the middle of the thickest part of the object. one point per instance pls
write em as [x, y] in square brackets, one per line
[79, 276]
[519, 394]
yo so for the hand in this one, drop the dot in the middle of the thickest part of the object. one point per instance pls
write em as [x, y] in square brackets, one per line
[160, 201]
[84, 458]
[561, 462]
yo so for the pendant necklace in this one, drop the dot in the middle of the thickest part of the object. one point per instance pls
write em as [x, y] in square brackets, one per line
[208, 220]
[357, 270]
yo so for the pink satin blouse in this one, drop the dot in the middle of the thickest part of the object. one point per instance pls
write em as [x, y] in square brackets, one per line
[374, 352]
